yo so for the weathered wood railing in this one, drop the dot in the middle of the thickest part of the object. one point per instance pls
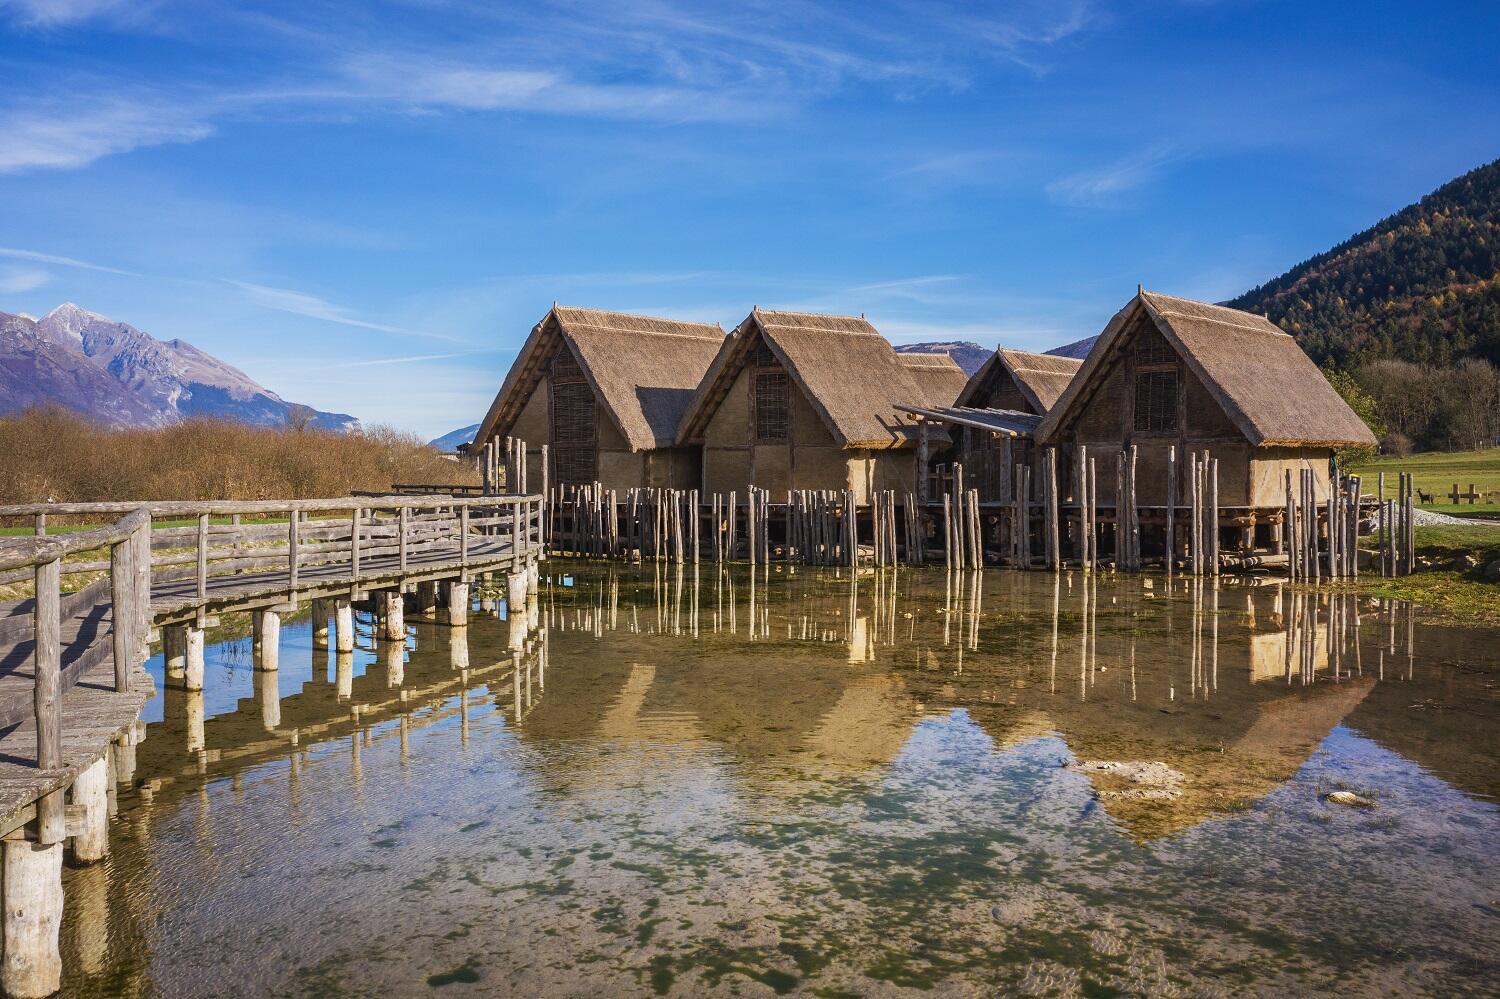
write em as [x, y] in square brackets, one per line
[56, 666]
[304, 539]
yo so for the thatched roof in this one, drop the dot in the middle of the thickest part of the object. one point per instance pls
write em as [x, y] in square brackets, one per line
[643, 370]
[850, 374]
[1272, 391]
[938, 376]
[1040, 377]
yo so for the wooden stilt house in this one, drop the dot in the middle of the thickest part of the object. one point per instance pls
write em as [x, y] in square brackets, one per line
[799, 400]
[605, 391]
[1174, 377]
[992, 420]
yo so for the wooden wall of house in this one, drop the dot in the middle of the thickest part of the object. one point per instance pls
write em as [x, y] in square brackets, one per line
[871, 471]
[732, 460]
[1269, 465]
[615, 465]
[999, 391]
[1107, 423]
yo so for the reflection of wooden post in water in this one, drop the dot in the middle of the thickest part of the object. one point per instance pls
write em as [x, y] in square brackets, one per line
[393, 657]
[268, 694]
[88, 897]
[33, 915]
[343, 674]
[458, 603]
[458, 648]
[266, 650]
[343, 622]
[192, 711]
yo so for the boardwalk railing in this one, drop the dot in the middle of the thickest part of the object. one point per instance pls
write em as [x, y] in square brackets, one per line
[59, 656]
[228, 549]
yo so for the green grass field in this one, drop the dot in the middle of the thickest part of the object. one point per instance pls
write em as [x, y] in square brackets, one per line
[1436, 472]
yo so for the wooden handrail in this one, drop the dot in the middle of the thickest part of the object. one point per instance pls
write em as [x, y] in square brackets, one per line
[191, 508]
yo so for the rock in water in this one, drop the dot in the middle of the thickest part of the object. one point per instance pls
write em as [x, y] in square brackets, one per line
[1348, 798]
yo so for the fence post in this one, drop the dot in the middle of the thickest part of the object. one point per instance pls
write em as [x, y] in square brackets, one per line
[403, 523]
[354, 520]
[122, 610]
[47, 654]
[202, 556]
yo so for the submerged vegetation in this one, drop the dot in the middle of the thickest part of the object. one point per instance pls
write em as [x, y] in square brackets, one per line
[50, 455]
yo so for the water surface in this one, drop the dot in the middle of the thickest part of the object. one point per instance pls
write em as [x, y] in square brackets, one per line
[689, 783]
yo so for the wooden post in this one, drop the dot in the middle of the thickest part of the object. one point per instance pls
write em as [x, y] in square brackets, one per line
[1054, 538]
[1133, 513]
[202, 573]
[403, 528]
[267, 657]
[1213, 516]
[47, 669]
[291, 549]
[923, 458]
[458, 603]
[354, 543]
[1171, 538]
[392, 616]
[33, 891]
[343, 624]
[192, 678]
[90, 794]
[122, 612]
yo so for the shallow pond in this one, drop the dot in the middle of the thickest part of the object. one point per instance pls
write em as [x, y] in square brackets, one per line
[684, 783]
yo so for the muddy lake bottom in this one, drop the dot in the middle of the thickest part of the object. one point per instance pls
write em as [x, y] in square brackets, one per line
[664, 780]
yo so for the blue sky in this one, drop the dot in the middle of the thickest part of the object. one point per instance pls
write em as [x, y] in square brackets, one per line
[367, 205]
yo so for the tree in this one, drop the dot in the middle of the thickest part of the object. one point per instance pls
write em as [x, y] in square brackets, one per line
[1363, 404]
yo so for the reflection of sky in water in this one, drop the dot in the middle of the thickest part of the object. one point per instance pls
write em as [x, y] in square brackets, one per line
[711, 815]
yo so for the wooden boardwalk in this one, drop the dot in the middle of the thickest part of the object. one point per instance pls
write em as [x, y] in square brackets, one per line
[72, 654]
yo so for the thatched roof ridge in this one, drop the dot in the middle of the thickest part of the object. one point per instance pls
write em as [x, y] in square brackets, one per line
[937, 375]
[643, 370]
[851, 375]
[1042, 378]
[1267, 386]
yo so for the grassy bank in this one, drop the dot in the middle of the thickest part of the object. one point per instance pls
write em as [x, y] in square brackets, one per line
[1436, 472]
[1449, 589]
[51, 455]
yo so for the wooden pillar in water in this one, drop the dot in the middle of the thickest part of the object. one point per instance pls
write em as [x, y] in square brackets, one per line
[174, 653]
[320, 614]
[90, 804]
[33, 900]
[267, 647]
[458, 603]
[343, 624]
[193, 661]
[392, 616]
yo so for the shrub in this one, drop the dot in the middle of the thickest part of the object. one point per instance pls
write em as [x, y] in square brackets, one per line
[55, 455]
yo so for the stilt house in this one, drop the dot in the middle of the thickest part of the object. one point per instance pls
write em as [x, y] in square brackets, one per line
[1172, 374]
[799, 400]
[605, 391]
[994, 417]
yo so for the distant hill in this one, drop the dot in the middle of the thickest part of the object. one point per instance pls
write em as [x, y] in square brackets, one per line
[1078, 348]
[121, 376]
[449, 442]
[1422, 285]
[967, 355]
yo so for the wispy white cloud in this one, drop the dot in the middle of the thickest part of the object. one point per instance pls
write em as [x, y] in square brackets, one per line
[420, 358]
[75, 133]
[14, 280]
[52, 258]
[302, 304]
[54, 13]
[1101, 185]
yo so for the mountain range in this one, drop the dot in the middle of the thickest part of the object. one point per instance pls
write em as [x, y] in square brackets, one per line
[123, 377]
[1422, 285]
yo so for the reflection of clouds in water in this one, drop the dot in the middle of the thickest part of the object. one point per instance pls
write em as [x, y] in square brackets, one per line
[687, 810]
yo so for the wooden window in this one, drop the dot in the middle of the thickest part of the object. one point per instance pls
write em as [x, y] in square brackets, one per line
[1153, 348]
[573, 413]
[772, 409]
[1156, 402]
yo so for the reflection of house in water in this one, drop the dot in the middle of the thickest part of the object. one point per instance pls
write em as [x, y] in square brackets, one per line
[1230, 688]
